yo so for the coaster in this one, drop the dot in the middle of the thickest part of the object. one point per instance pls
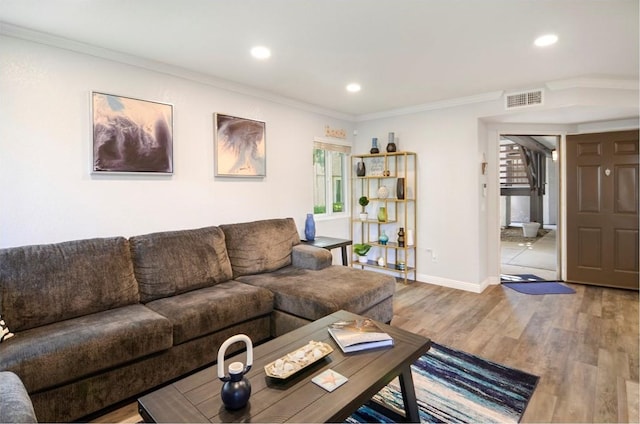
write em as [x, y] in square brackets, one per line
[329, 380]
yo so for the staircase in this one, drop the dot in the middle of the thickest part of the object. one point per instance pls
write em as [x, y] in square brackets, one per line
[522, 173]
[513, 169]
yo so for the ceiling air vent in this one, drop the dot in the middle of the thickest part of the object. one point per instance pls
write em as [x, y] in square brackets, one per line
[526, 98]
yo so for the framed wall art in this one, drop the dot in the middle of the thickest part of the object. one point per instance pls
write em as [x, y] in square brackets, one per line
[131, 135]
[240, 147]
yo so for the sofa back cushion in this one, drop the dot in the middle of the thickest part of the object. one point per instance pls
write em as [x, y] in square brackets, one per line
[42, 284]
[260, 246]
[173, 262]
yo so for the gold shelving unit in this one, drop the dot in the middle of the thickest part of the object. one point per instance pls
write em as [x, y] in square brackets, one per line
[384, 170]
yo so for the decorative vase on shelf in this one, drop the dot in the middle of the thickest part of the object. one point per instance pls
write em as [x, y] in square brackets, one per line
[401, 237]
[383, 192]
[383, 238]
[391, 144]
[409, 238]
[400, 188]
[309, 228]
[361, 170]
[236, 389]
[382, 214]
[374, 146]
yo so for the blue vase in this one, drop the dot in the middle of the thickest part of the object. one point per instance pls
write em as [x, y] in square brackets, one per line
[309, 228]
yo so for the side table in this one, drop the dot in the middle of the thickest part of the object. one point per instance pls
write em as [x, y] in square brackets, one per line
[331, 243]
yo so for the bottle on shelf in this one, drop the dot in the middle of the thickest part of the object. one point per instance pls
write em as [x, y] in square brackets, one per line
[382, 214]
[374, 146]
[391, 144]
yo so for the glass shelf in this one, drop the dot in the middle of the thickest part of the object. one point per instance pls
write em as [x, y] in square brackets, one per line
[375, 221]
[388, 267]
[390, 245]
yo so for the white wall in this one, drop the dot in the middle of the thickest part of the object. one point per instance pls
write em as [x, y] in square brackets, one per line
[47, 193]
[450, 203]
[457, 219]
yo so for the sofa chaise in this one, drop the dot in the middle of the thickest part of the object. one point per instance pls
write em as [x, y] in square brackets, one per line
[98, 321]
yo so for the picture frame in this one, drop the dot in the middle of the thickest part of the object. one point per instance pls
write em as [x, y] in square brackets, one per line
[131, 136]
[376, 167]
[239, 146]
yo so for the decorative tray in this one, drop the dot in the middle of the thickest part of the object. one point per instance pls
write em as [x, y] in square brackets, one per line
[297, 360]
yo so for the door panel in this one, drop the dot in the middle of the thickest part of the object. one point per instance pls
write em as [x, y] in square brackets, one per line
[590, 246]
[588, 198]
[602, 209]
[626, 246]
[626, 193]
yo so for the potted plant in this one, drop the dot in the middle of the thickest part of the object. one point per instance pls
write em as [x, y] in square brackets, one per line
[361, 249]
[363, 201]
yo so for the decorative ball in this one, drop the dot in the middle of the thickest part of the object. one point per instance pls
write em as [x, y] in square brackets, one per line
[383, 192]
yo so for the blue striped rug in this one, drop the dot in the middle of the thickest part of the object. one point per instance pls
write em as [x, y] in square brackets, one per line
[454, 386]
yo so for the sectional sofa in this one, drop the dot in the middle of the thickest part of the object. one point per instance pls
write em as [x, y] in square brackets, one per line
[98, 321]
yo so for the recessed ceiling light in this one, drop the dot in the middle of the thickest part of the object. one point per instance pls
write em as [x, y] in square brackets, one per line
[260, 52]
[546, 40]
[353, 87]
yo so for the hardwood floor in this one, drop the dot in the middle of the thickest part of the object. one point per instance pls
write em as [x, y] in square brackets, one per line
[583, 346]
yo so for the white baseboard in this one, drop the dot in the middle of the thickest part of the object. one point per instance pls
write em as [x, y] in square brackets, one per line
[454, 284]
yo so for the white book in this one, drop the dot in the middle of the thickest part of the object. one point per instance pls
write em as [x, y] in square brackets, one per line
[361, 334]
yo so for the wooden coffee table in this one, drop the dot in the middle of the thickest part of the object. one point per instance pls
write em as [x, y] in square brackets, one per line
[196, 398]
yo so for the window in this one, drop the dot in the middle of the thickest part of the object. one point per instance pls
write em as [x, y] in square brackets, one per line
[330, 176]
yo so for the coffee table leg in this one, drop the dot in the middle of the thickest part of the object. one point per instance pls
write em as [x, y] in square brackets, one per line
[409, 395]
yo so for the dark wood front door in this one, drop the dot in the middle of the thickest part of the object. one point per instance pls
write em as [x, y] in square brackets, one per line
[602, 209]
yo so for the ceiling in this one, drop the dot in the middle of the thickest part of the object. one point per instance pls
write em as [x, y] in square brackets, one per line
[403, 52]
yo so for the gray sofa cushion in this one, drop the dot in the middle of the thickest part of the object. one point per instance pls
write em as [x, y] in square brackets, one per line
[314, 294]
[65, 280]
[15, 404]
[174, 262]
[260, 246]
[58, 353]
[310, 257]
[211, 309]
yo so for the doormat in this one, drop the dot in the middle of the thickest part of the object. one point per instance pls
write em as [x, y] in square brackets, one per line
[532, 284]
[454, 386]
[540, 287]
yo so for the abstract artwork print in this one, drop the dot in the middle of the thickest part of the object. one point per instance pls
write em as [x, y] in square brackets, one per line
[240, 147]
[131, 135]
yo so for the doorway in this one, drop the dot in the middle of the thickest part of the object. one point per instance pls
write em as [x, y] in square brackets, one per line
[529, 206]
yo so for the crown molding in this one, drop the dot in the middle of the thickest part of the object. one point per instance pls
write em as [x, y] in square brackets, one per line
[18, 32]
[22, 33]
[593, 82]
[441, 104]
